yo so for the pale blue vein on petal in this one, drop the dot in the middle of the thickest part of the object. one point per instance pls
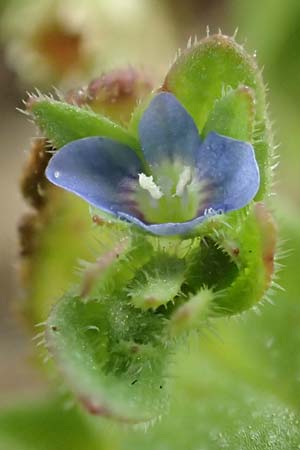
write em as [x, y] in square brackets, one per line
[231, 169]
[96, 169]
[168, 132]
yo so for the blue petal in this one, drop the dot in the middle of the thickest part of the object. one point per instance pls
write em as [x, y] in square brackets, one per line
[99, 170]
[168, 229]
[167, 131]
[230, 168]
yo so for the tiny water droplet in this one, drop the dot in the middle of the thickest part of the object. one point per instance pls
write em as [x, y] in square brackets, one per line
[56, 174]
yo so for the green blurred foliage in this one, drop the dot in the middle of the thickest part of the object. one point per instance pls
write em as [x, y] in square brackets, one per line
[45, 426]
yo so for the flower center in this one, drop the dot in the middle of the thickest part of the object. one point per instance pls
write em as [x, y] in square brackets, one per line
[173, 193]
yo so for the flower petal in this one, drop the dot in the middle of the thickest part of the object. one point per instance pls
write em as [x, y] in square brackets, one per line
[99, 170]
[230, 168]
[168, 229]
[167, 131]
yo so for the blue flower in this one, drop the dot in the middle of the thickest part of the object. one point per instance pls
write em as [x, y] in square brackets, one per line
[181, 181]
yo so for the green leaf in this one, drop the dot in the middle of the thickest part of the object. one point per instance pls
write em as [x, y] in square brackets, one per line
[192, 314]
[233, 115]
[62, 123]
[198, 78]
[138, 112]
[112, 354]
[246, 243]
[235, 260]
[158, 282]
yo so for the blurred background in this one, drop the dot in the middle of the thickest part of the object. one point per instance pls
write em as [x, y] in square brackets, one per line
[67, 43]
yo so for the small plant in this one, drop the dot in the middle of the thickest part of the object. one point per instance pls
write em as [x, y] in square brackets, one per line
[178, 231]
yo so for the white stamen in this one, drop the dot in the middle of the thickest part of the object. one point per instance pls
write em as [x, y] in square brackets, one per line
[150, 186]
[184, 179]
